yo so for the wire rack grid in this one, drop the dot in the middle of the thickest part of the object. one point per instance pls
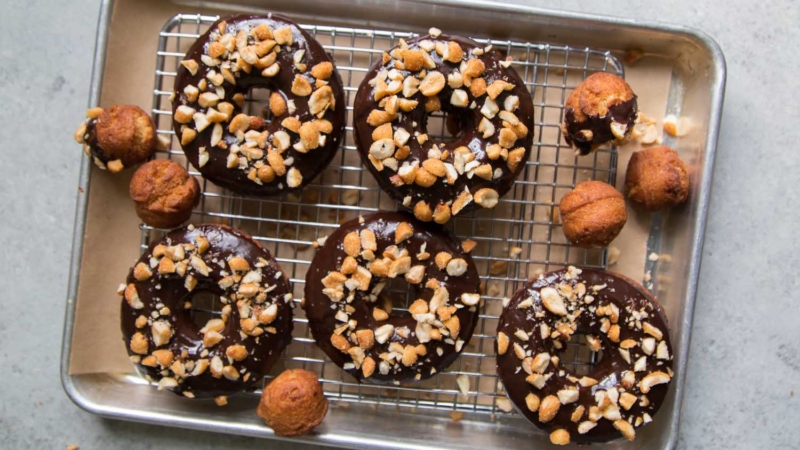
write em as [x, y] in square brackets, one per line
[516, 240]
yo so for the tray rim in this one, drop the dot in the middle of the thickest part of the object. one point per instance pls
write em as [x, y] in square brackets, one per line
[703, 190]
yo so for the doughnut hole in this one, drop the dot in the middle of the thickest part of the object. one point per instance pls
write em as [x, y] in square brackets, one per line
[205, 305]
[198, 307]
[577, 357]
[257, 103]
[445, 127]
[398, 295]
[125, 132]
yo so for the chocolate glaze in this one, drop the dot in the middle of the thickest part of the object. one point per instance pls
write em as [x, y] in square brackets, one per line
[90, 139]
[318, 306]
[600, 126]
[468, 119]
[169, 290]
[621, 291]
[309, 164]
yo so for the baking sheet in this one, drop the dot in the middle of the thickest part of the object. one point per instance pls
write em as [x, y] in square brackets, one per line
[112, 233]
[696, 89]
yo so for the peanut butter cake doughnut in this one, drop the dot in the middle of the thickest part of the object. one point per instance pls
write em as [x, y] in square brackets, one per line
[117, 137]
[489, 111]
[230, 353]
[245, 153]
[600, 110]
[620, 319]
[346, 307]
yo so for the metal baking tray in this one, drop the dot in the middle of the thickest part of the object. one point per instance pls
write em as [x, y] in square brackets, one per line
[550, 54]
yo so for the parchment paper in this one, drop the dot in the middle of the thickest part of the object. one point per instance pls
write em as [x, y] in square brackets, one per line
[112, 235]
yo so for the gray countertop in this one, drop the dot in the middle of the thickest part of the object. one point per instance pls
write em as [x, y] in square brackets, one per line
[745, 352]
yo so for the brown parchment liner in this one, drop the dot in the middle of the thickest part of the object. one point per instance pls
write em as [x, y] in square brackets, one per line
[112, 235]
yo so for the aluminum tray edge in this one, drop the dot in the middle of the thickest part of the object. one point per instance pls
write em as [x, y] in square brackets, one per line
[84, 180]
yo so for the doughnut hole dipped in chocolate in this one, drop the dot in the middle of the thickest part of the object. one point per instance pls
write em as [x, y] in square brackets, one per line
[601, 110]
[489, 111]
[117, 137]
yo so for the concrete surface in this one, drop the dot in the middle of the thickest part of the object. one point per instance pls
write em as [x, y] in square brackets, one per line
[745, 353]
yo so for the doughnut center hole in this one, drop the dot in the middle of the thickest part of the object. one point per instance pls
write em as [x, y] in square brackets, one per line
[397, 295]
[256, 103]
[444, 127]
[577, 357]
[206, 305]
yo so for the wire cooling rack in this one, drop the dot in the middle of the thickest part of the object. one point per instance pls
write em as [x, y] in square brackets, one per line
[519, 238]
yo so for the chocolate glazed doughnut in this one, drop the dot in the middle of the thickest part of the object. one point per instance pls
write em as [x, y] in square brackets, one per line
[244, 153]
[348, 313]
[489, 110]
[228, 354]
[623, 390]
